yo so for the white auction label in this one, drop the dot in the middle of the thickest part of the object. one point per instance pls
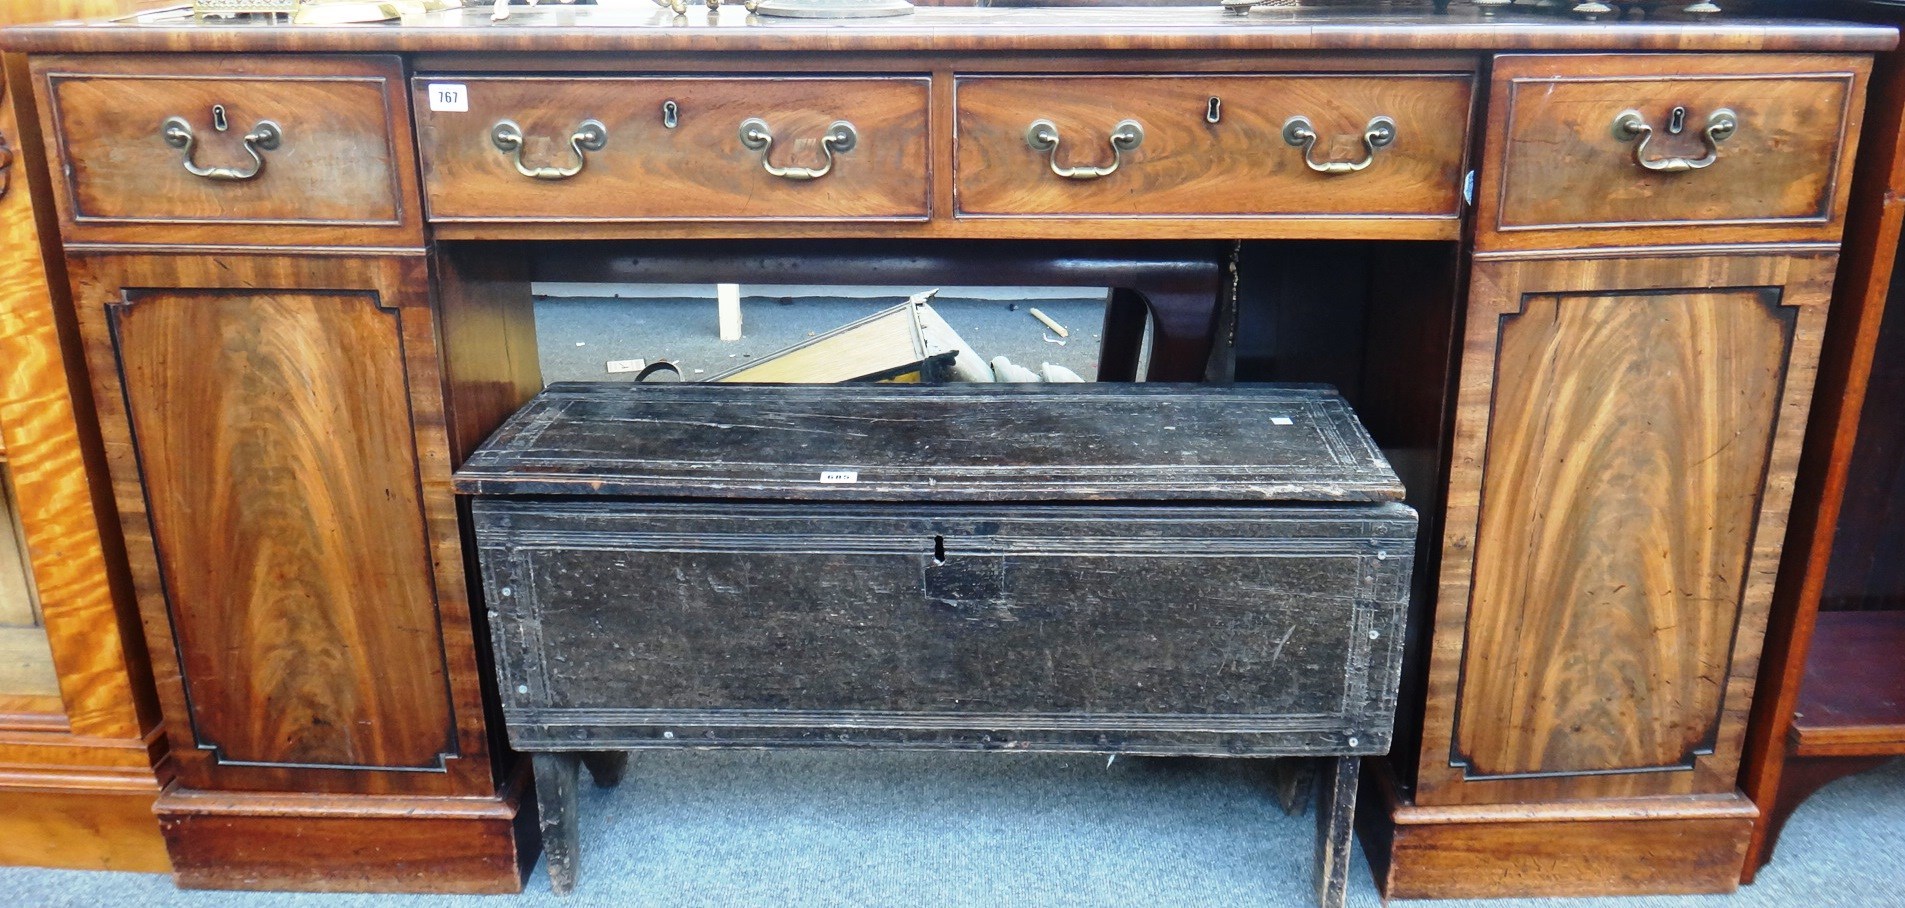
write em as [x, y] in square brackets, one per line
[839, 476]
[1282, 421]
[449, 97]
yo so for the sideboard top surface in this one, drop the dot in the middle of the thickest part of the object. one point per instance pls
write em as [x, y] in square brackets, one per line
[583, 30]
[1073, 442]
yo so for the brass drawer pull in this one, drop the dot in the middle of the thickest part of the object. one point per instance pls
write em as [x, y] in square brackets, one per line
[840, 139]
[1721, 125]
[1042, 135]
[590, 136]
[266, 136]
[1299, 132]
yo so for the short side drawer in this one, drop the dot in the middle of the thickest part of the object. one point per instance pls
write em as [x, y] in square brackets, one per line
[1217, 631]
[673, 148]
[312, 151]
[1214, 145]
[1620, 149]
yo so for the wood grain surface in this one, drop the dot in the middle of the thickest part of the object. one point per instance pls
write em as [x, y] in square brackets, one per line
[293, 539]
[698, 170]
[1556, 176]
[1636, 846]
[283, 493]
[1189, 167]
[341, 843]
[1626, 437]
[77, 782]
[52, 462]
[1204, 29]
[343, 174]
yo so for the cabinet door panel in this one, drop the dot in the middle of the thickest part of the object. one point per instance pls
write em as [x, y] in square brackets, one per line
[278, 458]
[281, 485]
[1624, 455]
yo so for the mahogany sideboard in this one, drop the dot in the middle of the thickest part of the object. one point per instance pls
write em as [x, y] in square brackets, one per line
[1572, 276]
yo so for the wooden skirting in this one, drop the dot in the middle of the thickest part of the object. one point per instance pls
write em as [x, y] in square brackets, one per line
[350, 843]
[81, 818]
[1678, 845]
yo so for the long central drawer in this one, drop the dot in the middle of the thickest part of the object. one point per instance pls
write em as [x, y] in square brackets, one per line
[673, 148]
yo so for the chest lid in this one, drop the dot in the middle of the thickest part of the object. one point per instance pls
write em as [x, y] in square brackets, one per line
[890, 442]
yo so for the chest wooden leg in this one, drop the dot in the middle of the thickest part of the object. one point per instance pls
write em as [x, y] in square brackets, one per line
[556, 778]
[1335, 817]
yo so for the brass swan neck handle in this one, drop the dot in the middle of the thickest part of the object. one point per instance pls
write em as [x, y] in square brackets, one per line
[266, 136]
[1301, 133]
[1629, 125]
[1042, 136]
[591, 135]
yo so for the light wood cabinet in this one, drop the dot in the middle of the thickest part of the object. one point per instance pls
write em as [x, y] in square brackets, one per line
[78, 736]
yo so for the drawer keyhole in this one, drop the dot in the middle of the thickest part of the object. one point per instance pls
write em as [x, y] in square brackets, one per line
[939, 549]
[1677, 121]
[670, 114]
[1215, 111]
[220, 122]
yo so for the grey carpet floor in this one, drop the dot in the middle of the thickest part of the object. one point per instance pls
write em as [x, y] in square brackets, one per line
[807, 828]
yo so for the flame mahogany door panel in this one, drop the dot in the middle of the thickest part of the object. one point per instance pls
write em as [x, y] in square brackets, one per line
[285, 539]
[1626, 437]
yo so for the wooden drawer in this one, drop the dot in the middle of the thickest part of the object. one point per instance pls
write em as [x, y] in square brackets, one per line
[1186, 166]
[698, 168]
[1562, 172]
[131, 131]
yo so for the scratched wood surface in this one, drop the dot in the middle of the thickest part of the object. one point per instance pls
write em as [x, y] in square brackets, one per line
[1219, 631]
[944, 443]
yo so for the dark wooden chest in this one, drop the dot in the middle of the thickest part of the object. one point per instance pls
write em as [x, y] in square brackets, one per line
[1149, 569]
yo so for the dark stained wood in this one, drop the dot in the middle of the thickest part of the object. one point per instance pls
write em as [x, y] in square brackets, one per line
[1178, 284]
[606, 767]
[1187, 166]
[698, 170]
[959, 443]
[1205, 29]
[1865, 571]
[556, 781]
[354, 566]
[1557, 176]
[919, 627]
[344, 173]
[1590, 643]
[1613, 847]
[1852, 703]
[1335, 828]
[1799, 779]
[1206, 629]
